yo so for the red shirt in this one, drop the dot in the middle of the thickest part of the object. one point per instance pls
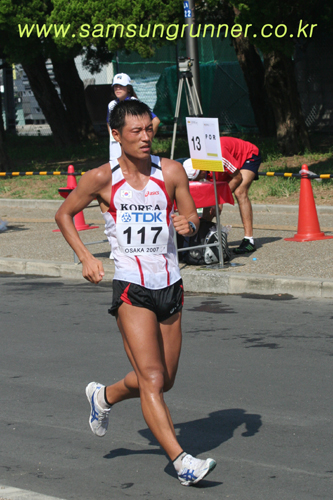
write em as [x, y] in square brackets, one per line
[235, 152]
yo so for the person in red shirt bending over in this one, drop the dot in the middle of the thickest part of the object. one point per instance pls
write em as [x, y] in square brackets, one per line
[241, 161]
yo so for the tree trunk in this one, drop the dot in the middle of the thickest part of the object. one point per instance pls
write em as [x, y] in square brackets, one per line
[282, 90]
[253, 71]
[48, 99]
[5, 162]
[72, 94]
[254, 75]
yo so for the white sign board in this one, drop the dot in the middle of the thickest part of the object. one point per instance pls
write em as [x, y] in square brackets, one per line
[204, 142]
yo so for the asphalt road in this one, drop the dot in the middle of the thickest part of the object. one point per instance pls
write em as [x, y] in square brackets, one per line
[254, 391]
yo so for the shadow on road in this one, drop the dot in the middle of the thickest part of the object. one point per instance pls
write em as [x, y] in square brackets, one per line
[259, 242]
[202, 435]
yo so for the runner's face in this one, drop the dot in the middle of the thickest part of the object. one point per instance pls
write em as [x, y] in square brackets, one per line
[136, 136]
[120, 92]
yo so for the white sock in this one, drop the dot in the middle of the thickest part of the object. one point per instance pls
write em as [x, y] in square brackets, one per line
[250, 238]
[101, 399]
[177, 463]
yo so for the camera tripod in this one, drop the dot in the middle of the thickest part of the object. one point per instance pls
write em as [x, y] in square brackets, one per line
[191, 94]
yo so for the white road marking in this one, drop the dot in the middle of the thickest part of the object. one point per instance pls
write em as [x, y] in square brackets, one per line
[10, 493]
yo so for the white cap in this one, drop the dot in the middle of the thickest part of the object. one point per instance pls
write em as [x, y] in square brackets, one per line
[122, 79]
[192, 173]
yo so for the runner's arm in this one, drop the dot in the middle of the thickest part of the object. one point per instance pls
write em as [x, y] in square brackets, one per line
[185, 204]
[156, 121]
[90, 185]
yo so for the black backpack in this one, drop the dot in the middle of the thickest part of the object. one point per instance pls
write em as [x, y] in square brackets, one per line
[207, 255]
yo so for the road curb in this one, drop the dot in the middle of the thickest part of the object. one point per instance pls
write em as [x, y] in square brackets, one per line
[38, 204]
[220, 282]
[279, 209]
[55, 204]
[199, 280]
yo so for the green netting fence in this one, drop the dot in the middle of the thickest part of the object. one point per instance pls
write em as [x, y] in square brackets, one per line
[223, 89]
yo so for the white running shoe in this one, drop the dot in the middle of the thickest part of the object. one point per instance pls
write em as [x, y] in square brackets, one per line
[99, 418]
[194, 469]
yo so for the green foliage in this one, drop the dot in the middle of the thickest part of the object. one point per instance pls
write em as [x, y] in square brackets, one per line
[162, 147]
[283, 187]
[92, 23]
[101, 17]
[294, 15]
[32, 187]
[37, 153]
[40, 153]
[14, 13]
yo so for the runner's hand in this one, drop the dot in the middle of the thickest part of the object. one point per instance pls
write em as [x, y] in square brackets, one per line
[181, 225]
[92, 270]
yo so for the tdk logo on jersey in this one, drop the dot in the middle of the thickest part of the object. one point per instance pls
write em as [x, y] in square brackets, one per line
[126, 217]
[132, 217]
[147, 216]
[125, 194]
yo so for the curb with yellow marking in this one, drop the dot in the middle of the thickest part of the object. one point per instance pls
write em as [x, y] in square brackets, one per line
[298, 176]
[22, 174]
[266, 174]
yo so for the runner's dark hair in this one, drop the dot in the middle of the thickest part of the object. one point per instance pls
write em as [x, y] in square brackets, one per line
[124, 108]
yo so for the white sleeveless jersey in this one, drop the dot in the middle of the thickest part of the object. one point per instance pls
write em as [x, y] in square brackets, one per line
[139, 228]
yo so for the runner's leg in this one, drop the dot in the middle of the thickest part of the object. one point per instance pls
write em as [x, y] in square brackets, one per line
[153, 350]
[171, 345]
[244, 203]
[128, 387]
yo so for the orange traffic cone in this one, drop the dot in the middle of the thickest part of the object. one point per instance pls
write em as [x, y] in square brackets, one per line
[79, 221]
[71, 183]
[308, 228]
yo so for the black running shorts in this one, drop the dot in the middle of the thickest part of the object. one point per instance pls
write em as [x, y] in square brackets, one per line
[164, 302]
[253, 164]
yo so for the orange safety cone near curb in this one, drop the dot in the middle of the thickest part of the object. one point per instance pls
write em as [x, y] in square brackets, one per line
[79, 221]
[308, 228]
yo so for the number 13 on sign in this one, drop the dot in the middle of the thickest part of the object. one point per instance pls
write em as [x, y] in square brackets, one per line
[196, 143]
[204, 143]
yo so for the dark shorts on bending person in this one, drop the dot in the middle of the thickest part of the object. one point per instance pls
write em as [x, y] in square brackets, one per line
[164, 302]
[253, 164]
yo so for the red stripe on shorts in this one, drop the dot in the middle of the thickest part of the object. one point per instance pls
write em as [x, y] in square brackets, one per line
[124, 296]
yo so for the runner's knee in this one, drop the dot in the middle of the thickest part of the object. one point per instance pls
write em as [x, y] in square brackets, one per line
[152, 381]
[241, 193]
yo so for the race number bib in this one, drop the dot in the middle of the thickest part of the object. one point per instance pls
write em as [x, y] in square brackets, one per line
[140, 232]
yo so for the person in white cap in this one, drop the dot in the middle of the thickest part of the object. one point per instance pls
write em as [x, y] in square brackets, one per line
[192, 173]
[122, 90]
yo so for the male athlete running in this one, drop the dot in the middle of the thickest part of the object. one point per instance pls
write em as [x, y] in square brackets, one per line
[136, 193]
